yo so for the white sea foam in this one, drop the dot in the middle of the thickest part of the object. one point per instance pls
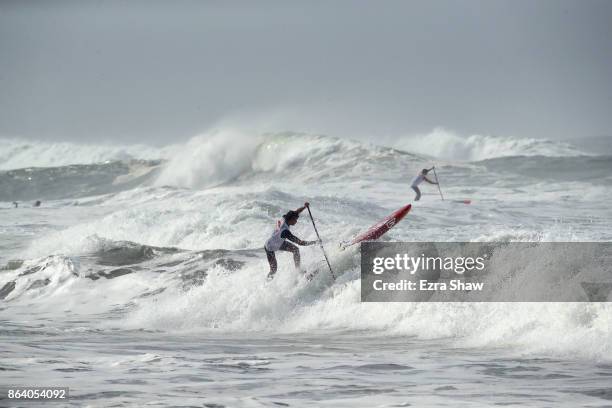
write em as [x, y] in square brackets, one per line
[225, 190]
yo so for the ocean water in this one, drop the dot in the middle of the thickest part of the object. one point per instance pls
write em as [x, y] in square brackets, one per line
[140, 281]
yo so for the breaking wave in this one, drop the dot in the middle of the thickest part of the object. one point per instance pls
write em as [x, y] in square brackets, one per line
[163, 288]
[228, 155]
[445, 144]
[224, 157]
[19, 154]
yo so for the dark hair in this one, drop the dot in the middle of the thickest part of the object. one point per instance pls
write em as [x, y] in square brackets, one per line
[291, 214]
[425, 171]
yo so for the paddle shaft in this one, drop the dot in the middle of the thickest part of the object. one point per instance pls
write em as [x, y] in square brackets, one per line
[321, 243]
[438, 181]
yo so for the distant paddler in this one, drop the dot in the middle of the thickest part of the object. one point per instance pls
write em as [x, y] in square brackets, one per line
[421, 177]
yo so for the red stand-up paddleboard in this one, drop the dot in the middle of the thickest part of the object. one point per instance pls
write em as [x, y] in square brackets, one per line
[378, 229]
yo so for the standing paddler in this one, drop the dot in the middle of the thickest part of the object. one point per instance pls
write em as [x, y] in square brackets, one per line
[278, 240]
[421, 177]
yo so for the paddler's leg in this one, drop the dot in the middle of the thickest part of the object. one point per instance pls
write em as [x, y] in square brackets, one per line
[272, 261]
[418, 193]
[289, 247]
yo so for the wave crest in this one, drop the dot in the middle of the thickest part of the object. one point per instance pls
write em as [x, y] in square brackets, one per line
[449, 145]
[226, 155]
[19, 154]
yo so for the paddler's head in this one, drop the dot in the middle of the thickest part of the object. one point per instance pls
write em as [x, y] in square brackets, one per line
[424, 172]
[291, 217]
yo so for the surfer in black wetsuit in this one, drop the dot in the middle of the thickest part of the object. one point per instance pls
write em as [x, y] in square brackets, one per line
[277, 242]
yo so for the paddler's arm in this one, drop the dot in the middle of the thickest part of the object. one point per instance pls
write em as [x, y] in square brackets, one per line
[286, 234]
[428, 180]
[299, 210]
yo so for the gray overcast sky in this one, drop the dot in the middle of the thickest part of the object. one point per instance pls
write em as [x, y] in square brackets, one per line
[148, 71]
